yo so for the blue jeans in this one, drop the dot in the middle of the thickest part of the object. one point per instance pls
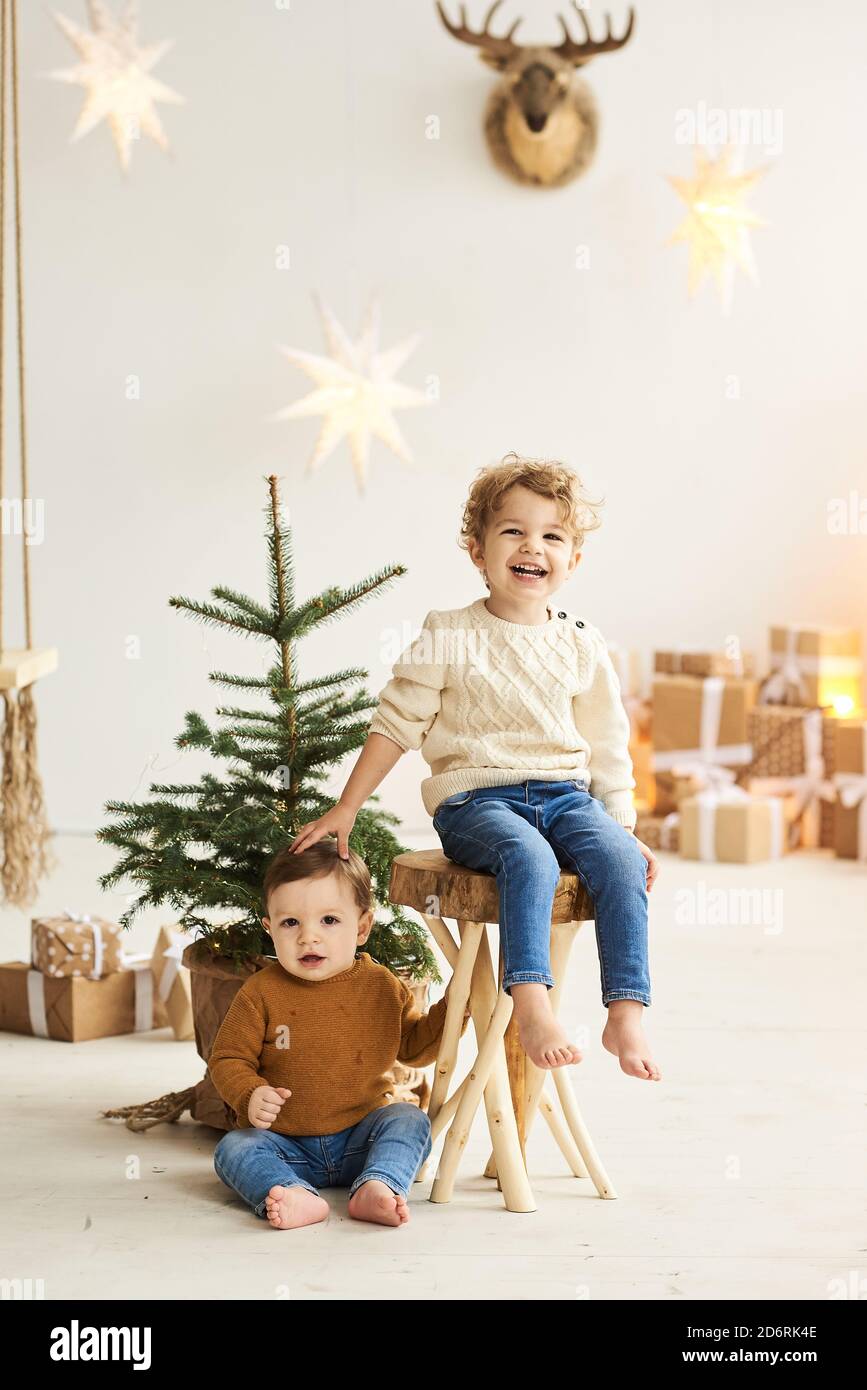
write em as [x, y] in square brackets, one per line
[389, 1144]
[525, 835]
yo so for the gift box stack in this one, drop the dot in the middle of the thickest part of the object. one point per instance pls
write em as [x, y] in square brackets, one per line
[80, 983]
[701, 707]
[850, 780]
[800, 732]
[745, 769]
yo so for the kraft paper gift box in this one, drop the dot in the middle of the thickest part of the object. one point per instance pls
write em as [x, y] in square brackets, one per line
[76, 944]
[850, 779]
[658, 832]
[812, 666]
[670, 790]
[699, 724]
[732, 827]
[798, 835]
[679, 662]
[794, 748]
[73, 1008]
[173, 981]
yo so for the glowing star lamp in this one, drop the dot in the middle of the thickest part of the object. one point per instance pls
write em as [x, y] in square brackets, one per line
[355, 392]
[717, 226]
[116, 73]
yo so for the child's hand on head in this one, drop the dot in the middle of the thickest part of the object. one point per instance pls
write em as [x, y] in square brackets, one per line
[338, 821]
[265, 1105]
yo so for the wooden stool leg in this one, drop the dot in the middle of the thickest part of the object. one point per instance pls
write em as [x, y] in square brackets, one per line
[563, 1138]
[514, 1182]
[585, 1162]
[533, 1077]
[459, 993]
[516, 1065]
[490, 1015]
[517, 1193]
[450, 949]
[459, 1129]
[581, 1134]
[562, 937]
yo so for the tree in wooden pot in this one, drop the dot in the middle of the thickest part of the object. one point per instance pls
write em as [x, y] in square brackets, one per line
[202, 847]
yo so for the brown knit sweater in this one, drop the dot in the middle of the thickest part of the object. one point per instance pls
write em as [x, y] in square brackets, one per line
[330, 1042]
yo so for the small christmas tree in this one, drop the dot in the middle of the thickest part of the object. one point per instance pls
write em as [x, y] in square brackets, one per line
[203, 847]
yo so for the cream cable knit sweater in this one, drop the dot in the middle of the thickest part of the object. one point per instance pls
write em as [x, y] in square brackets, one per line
[491, 703]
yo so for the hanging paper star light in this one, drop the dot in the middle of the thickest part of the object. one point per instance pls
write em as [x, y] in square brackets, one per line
[355, 392]
[717, 226]
[116, 73]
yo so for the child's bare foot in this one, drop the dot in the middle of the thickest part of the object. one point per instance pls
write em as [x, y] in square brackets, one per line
[623, 1035]
[288, 1207]
[542, 1038]
[375, 1201]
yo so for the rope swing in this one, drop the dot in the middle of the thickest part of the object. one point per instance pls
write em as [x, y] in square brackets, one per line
[25, 832]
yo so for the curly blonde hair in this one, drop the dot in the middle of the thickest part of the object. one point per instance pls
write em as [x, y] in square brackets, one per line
[547, 477]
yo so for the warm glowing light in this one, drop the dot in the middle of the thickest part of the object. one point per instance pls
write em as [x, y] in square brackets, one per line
[843, 705]
[116, 73]
[716, 228]
[355, 391]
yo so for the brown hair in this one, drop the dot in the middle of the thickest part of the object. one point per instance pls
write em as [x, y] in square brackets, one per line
[548, 477]
[318, 861]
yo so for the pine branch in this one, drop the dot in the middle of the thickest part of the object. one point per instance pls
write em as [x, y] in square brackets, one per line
[348, 677]
[333, 601]
[218, 617]
[245, 604]
[245, 682]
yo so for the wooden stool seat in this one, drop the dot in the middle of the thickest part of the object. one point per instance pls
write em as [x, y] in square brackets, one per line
[512, 1086]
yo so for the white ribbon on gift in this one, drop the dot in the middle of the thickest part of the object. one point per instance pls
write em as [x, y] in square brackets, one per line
[144, 999]
[852, 791]
[786, 670]
[810, 786]
[172, 956]
[144, 1002]
[36, 1003]
[86, 919]
[144, 987]
[703, 762]
[726, 793]
[789, 667]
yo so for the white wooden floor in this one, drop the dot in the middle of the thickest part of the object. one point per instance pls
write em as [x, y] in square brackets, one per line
[740, 1174]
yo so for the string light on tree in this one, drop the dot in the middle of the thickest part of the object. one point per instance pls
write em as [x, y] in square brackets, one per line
[717, 226]
[116, 73]
[355, 391]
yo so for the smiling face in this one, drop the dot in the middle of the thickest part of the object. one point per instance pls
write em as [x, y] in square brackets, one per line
[527, 552]
[316, 926]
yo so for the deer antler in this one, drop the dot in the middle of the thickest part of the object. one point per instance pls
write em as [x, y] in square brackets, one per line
[498, 47]
[580, 53]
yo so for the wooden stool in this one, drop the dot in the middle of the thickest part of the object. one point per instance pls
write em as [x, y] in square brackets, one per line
[512, 1085]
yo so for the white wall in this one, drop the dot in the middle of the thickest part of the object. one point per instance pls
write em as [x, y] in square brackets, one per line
[307, 128]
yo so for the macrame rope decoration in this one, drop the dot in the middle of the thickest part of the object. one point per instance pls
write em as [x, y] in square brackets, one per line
[25, 832]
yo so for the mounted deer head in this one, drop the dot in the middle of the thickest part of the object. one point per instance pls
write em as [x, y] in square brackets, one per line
[541, 122]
